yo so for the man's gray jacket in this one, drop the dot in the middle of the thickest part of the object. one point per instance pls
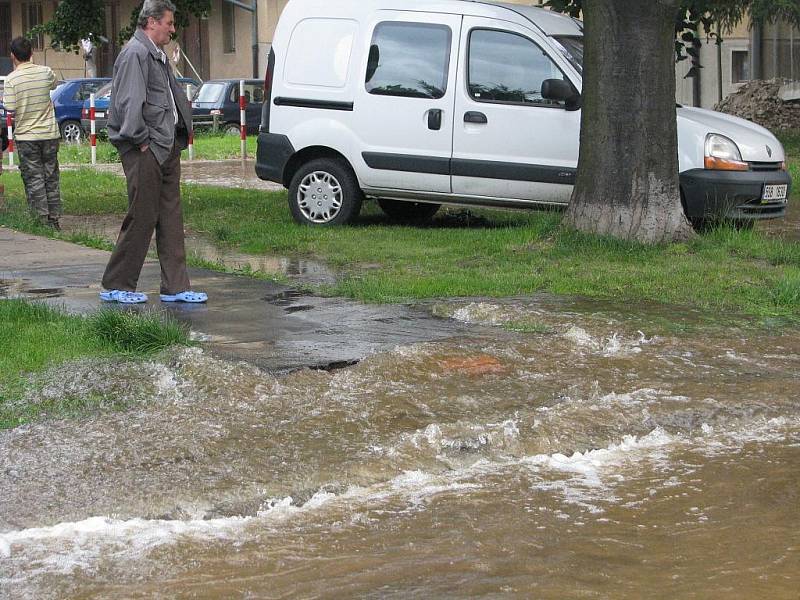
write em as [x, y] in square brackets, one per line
[141, 108]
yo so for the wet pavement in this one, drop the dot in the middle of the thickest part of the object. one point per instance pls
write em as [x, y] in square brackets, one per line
[270, 325]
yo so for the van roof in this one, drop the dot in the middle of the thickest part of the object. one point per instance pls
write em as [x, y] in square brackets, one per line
[551, 23]
[548, 22]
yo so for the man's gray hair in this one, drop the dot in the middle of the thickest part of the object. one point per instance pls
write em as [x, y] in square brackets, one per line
[155, 9]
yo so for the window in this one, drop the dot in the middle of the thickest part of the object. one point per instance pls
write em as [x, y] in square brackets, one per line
[85, 90]
[508, 68]
[409, 59]
[740, 66]
[31, 17]
[319, 52]
[253, 93]
[210, 93]
[5, 29]
[228, 27]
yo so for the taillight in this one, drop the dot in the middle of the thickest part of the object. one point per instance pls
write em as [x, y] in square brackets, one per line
[84, 114]
[265, 110]
[270, 72]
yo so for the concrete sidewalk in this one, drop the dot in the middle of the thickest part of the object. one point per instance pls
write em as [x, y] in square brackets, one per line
[269, 325]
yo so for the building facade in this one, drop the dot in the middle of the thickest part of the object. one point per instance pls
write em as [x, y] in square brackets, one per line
[223, 44]
[234, 41]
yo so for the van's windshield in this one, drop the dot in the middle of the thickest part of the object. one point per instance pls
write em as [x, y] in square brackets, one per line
[572, 49]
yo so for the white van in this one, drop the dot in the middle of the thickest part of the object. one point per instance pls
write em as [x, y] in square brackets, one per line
[417, 103]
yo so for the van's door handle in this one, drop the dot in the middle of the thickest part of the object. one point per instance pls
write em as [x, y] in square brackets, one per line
[435, 119]
[472, 116]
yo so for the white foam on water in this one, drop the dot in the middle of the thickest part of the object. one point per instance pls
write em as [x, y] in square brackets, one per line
[591, 476]
[587, 479]
[70, 545]
[483, 313]
[613, 345]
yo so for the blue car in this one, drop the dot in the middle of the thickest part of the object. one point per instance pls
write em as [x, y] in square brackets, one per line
[102, 99]
[68, 100]
[220, 98]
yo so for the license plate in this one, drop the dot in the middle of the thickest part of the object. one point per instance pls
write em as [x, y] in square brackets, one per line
[100, 115]
[774, 192]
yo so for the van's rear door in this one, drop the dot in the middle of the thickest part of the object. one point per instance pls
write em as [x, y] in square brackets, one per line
[508, 141]
[404, 101]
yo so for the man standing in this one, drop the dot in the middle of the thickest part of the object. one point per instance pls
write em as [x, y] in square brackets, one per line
[149, 124]
[27, 95]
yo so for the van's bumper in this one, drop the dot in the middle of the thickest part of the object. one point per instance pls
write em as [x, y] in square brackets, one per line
[734, 195]
[274, 151]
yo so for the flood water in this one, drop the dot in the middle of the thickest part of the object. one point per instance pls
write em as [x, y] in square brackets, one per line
[565, 449]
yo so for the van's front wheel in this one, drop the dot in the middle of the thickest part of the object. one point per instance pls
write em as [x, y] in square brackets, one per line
[324, 191]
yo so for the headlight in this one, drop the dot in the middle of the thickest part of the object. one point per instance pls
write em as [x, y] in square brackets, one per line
[723, 154]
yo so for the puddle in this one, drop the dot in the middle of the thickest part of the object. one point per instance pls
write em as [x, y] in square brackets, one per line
[598, 451]
[22, 288]
[295, 270]
[788, 227]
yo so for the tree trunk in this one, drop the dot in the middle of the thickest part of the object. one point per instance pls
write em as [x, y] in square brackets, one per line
[627, 181]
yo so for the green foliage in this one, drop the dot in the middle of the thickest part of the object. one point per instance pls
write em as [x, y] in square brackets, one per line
[73, 21]
[138, 333]
[36, 337]
[715, 17]
[183, 10]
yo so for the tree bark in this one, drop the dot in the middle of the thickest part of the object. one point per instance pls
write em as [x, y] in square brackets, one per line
[627, 180]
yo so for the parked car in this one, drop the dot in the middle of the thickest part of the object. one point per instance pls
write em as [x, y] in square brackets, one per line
[102, 99]
[220, 98]
[68, 100]
[417, 103]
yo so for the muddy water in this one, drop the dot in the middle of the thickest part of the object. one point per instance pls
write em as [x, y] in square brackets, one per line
[565, 450]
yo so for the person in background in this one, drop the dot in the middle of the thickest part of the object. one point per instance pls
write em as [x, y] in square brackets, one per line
[36, 135]
[149, 124]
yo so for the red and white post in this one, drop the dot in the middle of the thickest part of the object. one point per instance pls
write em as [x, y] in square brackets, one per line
[191, 132]
[10, 140]
[243, 119]
[92, 129]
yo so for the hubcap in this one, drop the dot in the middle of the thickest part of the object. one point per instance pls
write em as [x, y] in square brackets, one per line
[72, 133]
[319, 197]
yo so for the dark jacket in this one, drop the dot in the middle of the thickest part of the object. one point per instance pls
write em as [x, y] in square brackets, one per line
[141, 110]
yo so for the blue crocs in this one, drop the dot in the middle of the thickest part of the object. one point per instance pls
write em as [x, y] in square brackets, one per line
[187, 296]
[123, 297]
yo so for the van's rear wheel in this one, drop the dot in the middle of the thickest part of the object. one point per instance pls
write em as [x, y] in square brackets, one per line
[408, 212]
[324, 191]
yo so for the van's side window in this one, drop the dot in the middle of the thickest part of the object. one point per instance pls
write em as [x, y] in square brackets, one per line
[409, 59]
[508, 68]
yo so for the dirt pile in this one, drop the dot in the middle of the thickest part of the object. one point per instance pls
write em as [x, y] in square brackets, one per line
[759, 101]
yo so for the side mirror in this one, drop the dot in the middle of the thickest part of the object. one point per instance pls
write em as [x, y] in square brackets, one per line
[561, 91]
[372, 61]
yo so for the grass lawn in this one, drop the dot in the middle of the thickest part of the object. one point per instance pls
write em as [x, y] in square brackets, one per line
[479, 253]
[35, 336]
[207, 146]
